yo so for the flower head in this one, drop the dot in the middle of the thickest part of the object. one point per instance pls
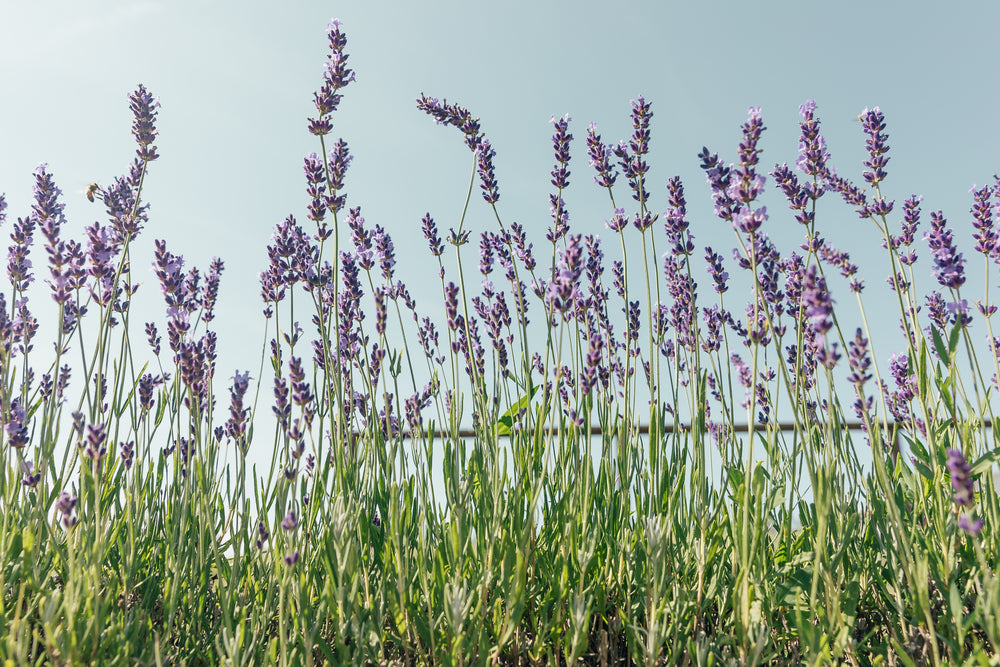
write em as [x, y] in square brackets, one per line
[336, 76]
[600, 160]
[948, 263]
[144, 107]
[873, 122]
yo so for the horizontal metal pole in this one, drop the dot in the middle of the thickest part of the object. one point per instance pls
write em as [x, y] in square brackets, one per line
[669, 428]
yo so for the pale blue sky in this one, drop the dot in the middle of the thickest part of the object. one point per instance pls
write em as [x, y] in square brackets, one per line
[235, 80]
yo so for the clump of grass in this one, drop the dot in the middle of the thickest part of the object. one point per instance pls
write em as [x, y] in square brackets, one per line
[581, 518]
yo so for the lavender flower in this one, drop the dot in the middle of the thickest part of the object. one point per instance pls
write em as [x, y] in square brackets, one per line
[873, 122]
[858, 360]
[290, 522]
[385, 251]
[316, 187]
[29, 475]
[618, 221]
[452, 114]
[564, 289]
[719, 276]
[948, 264]
[336, 76]
[849, 192]
[18, 264]
[560, 142]
[144, 107]
[964, 486]
[236, 426]
[600, 160]
[262, 535]
[798, 196]
[817, 301]
[630, 155]
[812, 147]
[675, 222]
[719, 177]
[66, 506]
[487, 175]
[211, 293]
[96, 447]
[47, 211]
[432, 236]
[982, 213]
[17, 425]
[338, 159]
[127, 453]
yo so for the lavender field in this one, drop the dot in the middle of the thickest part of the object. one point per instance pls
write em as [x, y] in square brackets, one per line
[614, 448]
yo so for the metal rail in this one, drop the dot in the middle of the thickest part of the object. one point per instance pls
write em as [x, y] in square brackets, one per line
[669, 428]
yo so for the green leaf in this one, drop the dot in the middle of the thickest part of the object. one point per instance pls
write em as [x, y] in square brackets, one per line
[917, 448]
[924, 471]
[506, 421]
[956, 332]
[984, 462]
[922, 369]
[939, 344]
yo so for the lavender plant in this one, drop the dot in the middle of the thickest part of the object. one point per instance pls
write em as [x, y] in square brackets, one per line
[573, 417]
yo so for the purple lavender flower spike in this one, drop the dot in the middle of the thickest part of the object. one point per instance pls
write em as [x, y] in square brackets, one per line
[336, 75]
[970, 526]
[630, 155]
[18, 264]
[381, 315]
[948, 263]
[982, 213]
[315, 188]
[750, 220]
[849, 192]
[17, 425]
[564, 290]
[676, 222]
[937, 311]
[858, 359]
[236, 425]
[719, 178]
[873, 122]
[47, 211]
[290, 522]
[618, 221]
[961, 478]
[812, 147]
[386, 253]
[29, 476]
[487, 175]
[96, 447]
[127, 453]
[144, 107]
[560, 142]
[263, 535]
[66, 506]
[600, 160]
[454, 115]
[908, 228]
[339, 159]
[817, 301]
[719, 276]
[211, 293]
[432, 236]
[964, 486]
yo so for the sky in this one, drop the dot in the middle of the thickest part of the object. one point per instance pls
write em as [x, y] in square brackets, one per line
[235, 83]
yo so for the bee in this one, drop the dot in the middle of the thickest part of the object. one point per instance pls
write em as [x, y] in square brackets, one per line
[91, 191]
